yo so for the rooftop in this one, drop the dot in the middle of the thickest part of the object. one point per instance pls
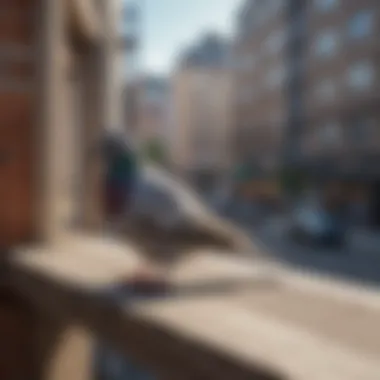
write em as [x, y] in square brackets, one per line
[211, 50]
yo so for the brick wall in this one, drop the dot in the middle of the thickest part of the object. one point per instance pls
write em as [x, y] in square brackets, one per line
[17, 75]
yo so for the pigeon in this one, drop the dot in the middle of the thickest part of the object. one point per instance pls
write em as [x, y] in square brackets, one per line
[166, 219]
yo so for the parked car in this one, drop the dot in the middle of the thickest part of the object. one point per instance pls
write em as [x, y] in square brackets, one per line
[312, 224]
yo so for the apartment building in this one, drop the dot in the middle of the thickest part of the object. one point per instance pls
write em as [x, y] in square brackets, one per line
[153, 109]
[322, 116]
[117, 42]
[341, 77]
[131, 86]
[202, 87]
[340, 136]
[260, 86]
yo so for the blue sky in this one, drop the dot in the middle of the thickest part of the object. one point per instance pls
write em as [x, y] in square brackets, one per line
[170, 25]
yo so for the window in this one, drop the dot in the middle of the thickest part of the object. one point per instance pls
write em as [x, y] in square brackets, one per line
[361, 75]
[326, 90]
[326, 5]
[361, 24]
[327, 43]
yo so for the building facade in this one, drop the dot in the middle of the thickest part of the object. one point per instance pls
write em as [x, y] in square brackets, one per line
[260, 59]
[154, 109]
[260, 79]
[116, 50]
[55, 80]
[340, 138]
[131, 87]
[202, 88]
[323, 110]
[341, 78]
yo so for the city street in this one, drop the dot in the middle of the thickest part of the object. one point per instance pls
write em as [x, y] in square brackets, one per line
[356, 262]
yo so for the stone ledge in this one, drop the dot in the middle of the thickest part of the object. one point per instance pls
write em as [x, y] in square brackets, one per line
[217, 335]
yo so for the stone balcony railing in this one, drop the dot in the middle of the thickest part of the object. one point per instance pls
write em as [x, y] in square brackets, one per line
[221, 319]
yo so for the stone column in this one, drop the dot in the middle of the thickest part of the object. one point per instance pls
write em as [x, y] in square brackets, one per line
[94, 97]
[63, 351]
[102, 108]
[111, 13]
[51, 79]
